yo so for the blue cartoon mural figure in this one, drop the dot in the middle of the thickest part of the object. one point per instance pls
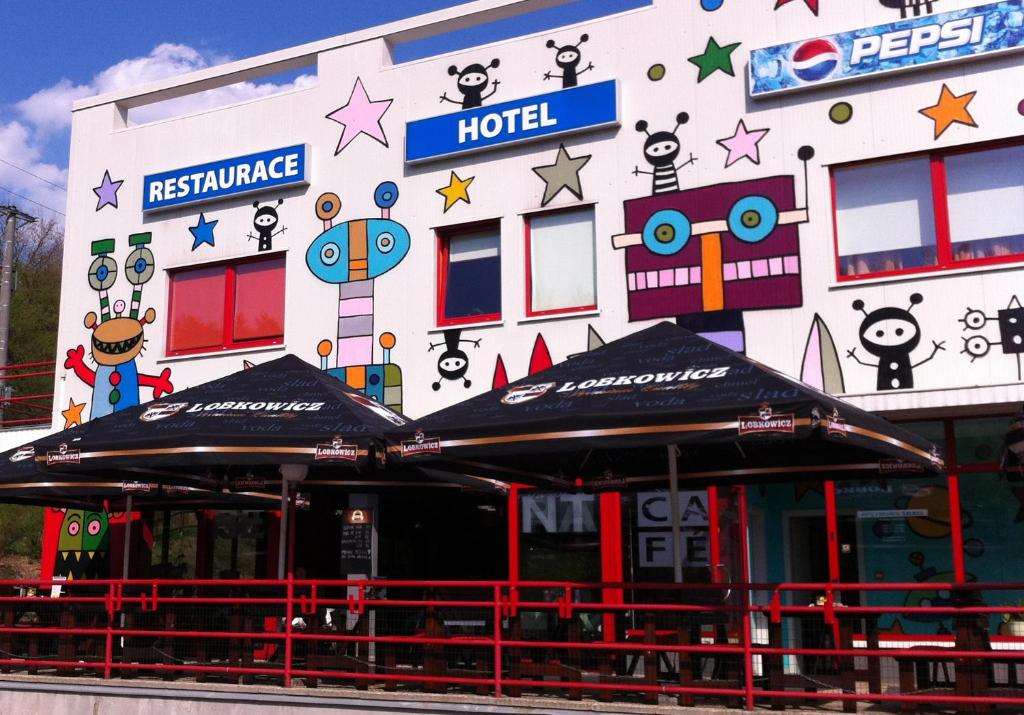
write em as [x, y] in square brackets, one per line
[352, 254]
[117, 341]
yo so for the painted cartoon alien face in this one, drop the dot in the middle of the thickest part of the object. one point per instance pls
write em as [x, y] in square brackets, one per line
[359, 249]
[567, 57]
[95, 533]
[117, 340]
[473, 80]
[891, 333]
[726, 247]
[71, 531]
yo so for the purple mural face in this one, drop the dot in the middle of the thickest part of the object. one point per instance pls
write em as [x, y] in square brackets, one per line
[725, 247]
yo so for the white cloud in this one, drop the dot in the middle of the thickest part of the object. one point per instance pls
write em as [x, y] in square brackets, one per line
[18, 147]
[44, 118]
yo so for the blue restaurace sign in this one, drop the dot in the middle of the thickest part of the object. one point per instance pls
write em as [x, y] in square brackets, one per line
[918, 41]
[545, 115]
[272, 169]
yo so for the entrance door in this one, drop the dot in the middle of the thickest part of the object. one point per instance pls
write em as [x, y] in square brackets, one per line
[808, 552]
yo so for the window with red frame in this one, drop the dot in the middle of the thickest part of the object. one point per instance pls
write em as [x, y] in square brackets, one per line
[927, 212]
[225, 306]
[560, 274]
[469, 274]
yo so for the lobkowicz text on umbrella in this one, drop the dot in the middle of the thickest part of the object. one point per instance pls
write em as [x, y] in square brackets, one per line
[709, 373]
[258, 406]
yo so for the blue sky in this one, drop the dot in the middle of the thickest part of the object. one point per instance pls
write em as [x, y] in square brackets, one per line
[61, 50]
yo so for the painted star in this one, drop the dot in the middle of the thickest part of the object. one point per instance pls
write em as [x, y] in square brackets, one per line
[202, 232]
[812, 4]
[743, 144]
[107, 191]
[949, 109]
[457, 190]
[73, 414]
[714, 57]
[361, 115]
[563, 174]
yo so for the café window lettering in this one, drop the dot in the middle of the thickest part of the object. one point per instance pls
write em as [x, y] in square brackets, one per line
[558, 513]
[654, 528]
[929, 212]
[225, 306]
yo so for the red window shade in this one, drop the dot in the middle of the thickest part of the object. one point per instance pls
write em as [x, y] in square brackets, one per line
[259, 300]
[197, 313]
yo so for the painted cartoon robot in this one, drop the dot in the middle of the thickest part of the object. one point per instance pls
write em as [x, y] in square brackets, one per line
[705, 255]
[117, 341]
[351, 255]
[82, 545]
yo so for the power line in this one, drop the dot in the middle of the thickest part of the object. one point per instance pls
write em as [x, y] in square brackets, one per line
[37, 176]
[48, 208]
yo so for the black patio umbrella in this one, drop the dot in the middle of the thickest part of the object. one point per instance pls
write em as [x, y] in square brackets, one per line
[22, 483]
[591, 419]
[283, 411]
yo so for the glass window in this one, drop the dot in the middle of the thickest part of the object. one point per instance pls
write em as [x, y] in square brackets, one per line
[226, 306]
[885, 217]
[980, 440]
[470, 275]
[259, 300]
[560, 247]
[976, 183]
[197, 315]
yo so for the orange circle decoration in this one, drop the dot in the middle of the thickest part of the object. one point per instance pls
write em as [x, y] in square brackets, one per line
[328, 206]
[387, 340]
[323, 348]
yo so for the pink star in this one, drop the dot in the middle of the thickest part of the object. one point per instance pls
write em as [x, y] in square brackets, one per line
[743, 144]
[360, 116]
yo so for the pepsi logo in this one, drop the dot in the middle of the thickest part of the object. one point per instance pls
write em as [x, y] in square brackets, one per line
[815, 60]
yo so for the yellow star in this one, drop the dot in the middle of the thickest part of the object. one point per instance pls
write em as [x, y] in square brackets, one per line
[950, 108]
[457, 190]
[73, 414]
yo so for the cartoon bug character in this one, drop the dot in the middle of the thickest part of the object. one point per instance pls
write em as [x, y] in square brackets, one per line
[265, 221]
[453, 364]
[82, 545]
[472, 83]
[891, 335]
[568, 58]
[117, 341]
[351, 254]
[661, 150]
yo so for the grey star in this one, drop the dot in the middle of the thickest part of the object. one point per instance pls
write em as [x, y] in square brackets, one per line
[563, 174]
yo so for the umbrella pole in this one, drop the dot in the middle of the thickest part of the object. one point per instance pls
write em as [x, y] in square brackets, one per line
[673, 499]
[127, 537]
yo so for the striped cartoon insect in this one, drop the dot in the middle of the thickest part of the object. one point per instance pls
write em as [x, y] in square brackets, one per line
[118, 340]
[661, 150]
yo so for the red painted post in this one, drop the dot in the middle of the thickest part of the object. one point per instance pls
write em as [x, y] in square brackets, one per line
[714, 538]
[497, 641]
[513, 533]
[108, 648]
[956, 527]
[289, 611]
[832, 529]
[611, 556]
[748, 648]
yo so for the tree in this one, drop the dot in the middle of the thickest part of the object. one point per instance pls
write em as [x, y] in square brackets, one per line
[35, 308]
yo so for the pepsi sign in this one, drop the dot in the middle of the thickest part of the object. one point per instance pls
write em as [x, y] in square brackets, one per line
[905, 44]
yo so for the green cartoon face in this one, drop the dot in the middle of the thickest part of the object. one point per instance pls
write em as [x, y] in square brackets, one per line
[71, 531]
[95, 535]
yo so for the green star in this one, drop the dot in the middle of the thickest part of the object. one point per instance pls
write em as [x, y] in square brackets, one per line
[714, 57]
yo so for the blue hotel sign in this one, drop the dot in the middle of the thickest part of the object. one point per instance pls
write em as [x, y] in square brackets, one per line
[906, 44]
[546, 115]
[273, 169]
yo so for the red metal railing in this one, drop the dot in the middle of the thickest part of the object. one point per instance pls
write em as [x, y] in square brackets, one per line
[25, 410]
[747, 643]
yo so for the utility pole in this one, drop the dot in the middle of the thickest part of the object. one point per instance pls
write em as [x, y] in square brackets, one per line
[13, 216]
